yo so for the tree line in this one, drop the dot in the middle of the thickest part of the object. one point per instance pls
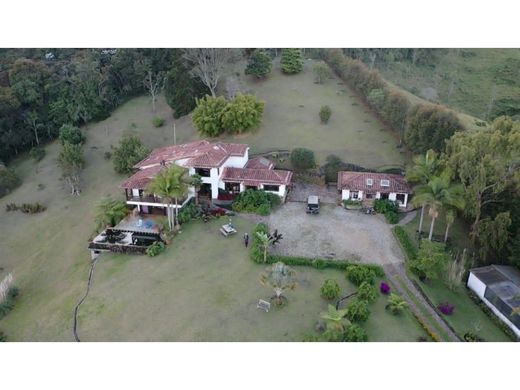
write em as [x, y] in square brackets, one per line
[43, 89]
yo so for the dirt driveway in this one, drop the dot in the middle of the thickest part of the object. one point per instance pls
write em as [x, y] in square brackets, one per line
[335, 233]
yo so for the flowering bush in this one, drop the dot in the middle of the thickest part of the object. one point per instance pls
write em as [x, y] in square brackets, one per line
[384, 288]
[446, 308]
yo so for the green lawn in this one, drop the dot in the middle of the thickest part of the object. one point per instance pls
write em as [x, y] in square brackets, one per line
[464, 79]
[205, 288]
[467, 314]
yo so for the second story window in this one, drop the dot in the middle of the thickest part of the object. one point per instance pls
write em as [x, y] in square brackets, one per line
[385, 183]
[370, 182]
[204, 172]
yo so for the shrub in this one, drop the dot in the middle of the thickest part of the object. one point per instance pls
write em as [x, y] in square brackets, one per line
[396, 304]
[255, 201]
[367, 292]
[243, 113]
[434, 336]
[130, 151]
[357, 311]
[391, 217]
[406, 242]
[431, 260]
[40, 187]
[322, 71]
[355, 333]
[107, 155]
[155, 249]
[158, 121]
[71, 134]
[446, 308]
[376, 98]
[384, 288]
[259, 64]
[37, 154]
[325, 113]
[384, 205]
[207, 116]
[330, 289]
[332, 166]
[3, 337]
[292, 61]
[26, 208]
[8, 180]
[9, 301]
[302, 159]
[358, 274]
[257, 252]
[188, 212]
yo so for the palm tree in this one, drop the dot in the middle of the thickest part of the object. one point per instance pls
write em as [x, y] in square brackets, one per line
[335, 318]
[396, 304]
[438, 194]
[171, 184]
[266, 240]
[280, 278]
[421, 172]
[110, 212]
[450, 218]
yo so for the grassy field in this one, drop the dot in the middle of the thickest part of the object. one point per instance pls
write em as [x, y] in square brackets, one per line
[205, 288]
[47, 252]
[464, 79]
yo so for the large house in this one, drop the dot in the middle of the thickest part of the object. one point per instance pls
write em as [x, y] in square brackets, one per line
[367, 186]
[225, 169]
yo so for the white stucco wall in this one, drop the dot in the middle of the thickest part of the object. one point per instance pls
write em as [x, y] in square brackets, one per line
[476, 285]
[282, 190]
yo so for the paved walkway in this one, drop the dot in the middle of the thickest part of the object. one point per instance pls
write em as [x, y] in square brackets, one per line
[408, 218]
[397, 273]
[301, 191]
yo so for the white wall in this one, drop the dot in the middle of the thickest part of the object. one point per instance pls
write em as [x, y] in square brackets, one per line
[282, 190]
[480, 288]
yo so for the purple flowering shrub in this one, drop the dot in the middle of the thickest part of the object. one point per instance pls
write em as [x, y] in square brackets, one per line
[384, 288]
[446, 308]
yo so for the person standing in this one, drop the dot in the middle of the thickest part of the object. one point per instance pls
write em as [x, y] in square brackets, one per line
[246, 239]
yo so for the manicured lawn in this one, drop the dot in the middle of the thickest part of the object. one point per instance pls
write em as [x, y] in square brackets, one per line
[467, 315]
[205, 288]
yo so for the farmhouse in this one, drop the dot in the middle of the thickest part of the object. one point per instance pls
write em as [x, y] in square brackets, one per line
[367, 186]
[225, 170]
[498, 286]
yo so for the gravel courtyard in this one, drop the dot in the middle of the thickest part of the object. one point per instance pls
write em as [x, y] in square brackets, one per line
[335, 233]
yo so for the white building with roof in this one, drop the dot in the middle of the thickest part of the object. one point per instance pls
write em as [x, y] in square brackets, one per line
[225, 170]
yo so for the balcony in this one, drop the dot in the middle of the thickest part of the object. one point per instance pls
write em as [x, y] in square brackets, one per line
[152, 199]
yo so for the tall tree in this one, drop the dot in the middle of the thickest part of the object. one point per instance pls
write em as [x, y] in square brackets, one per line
[259, 64]
[424, 168]
[487, 163]
[154, 83]
[171, 184]
[439, 193]
[208, 65]
[181, 89]
[71, 162]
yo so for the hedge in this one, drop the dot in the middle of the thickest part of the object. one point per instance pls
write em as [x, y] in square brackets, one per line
[8, 304]
[409, 248]
[257, 255]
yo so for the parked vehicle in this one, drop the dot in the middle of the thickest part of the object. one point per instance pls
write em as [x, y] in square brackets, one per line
[313, 204]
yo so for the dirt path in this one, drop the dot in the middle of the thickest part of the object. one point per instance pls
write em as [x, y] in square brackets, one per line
[397, 273]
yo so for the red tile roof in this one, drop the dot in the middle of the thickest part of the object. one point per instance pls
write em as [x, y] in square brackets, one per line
[201, 154]
[141, 178]
[259, 163]
[256, 176]
[357, 181]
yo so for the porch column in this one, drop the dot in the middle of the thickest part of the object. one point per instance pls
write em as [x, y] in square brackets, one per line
[405, 200]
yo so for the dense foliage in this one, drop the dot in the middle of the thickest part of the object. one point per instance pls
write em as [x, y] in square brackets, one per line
[358, 274]
[406, 242]
[110, 212]
[243, 113]
[367, 292]
[129, 152]
[292, 61]
[207, 116]
[388, 208]
[8, 180]
[259, 64]
[8, 303]
[429, 127]
[181, 89]
[330, 289]
[71, 134]
[302, 159]
[255, 201]
[73, 86]
[155, 249]
[357, 310]
[355, 333]
[431, 260]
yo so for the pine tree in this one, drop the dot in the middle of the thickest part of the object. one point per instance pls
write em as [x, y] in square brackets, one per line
[259, 64]
[292, 61]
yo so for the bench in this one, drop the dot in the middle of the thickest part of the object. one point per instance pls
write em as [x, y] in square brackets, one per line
[264, 305]
[227, 229]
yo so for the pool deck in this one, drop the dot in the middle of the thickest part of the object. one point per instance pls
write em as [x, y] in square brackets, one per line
[140, 223]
